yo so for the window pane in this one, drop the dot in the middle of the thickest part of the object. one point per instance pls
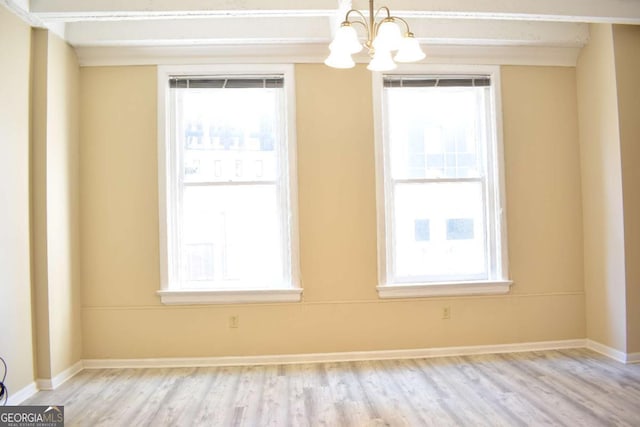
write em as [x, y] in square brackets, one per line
[460, 229]
[422, 230]
[231, 237]
[436, 132]
[228, 134]
[439, 231]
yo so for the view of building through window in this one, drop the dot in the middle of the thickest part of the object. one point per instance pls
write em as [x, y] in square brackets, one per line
[230, 222]
[436, 138]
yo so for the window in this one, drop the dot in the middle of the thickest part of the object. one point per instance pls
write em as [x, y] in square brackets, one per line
[441, 223]
[227, 180]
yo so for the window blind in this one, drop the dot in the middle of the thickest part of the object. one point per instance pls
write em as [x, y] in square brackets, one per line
[436, 81]
[236, 82]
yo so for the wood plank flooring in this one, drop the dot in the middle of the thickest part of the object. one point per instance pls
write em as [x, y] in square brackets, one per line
[547, 388]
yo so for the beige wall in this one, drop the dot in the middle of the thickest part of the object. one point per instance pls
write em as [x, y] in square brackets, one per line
[572, 201]
[40, 264]
[604, 251]
[55, 204]
[626, 40]
[63, 204]
[542, 177]
[123, 318]
[15, 282]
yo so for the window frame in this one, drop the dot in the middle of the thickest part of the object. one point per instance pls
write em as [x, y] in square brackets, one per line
[168, 187]
[495, 207]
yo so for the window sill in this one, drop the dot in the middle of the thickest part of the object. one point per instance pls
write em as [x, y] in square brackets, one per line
[226, 296]
[419, 290]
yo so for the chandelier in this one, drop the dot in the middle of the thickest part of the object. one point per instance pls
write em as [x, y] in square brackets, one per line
[384, 36]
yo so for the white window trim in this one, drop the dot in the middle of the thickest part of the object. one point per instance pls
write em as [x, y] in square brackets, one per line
[230, 296]
[168, 295]
[436, 289]
[501, 284]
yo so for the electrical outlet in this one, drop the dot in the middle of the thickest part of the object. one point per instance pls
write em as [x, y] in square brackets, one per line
[234, 321]
[446, 313]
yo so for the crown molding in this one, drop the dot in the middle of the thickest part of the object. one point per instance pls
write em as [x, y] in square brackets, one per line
[315, 53]
[606, 11]
[20, 8]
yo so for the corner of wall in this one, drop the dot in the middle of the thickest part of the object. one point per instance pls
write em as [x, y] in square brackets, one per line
[16, 327]
[601, 181]
[55, 204]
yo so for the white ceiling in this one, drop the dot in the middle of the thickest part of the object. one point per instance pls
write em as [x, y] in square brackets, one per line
[128, 31]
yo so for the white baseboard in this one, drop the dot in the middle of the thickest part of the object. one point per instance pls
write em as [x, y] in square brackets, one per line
[279, 359]
[45, 384]
[605, 350]
[614, 354]
[61, 378]
[633, 358]
[17, 397]
[330, 357]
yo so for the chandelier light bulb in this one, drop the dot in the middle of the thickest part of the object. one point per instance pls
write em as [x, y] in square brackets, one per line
[388, 37]
[381, 61]
[410, 50]
[340, 59]
[346, 40]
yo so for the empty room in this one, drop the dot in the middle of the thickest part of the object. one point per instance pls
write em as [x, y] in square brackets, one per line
[319, 212]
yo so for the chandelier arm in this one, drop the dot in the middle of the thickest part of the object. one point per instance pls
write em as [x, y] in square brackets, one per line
[375, 24]
[357, 12]
[406, 24]
[362, 21]
[383, 8]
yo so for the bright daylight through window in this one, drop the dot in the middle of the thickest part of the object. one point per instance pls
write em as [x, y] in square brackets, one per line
[442, 229]
[229, 222]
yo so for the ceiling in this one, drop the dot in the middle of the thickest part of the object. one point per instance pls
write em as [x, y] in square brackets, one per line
[146, 31]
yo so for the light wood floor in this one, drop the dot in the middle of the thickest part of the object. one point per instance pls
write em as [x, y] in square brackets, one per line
[567, 387]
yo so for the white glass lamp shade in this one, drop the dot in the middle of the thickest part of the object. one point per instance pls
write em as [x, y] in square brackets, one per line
[340, 59]
[410, 50]
[381, 61]
[388, 36]
[346, 40]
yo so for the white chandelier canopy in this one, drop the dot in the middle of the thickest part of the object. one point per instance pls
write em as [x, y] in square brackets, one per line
[384, 36]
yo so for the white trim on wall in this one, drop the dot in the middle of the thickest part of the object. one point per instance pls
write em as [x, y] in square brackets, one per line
[17, 397]
[612, 353]
[61, 378]
[241, 296]
[633, 358]
[89, 56]
[331, 357]
[281, 359]
[497, 287]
